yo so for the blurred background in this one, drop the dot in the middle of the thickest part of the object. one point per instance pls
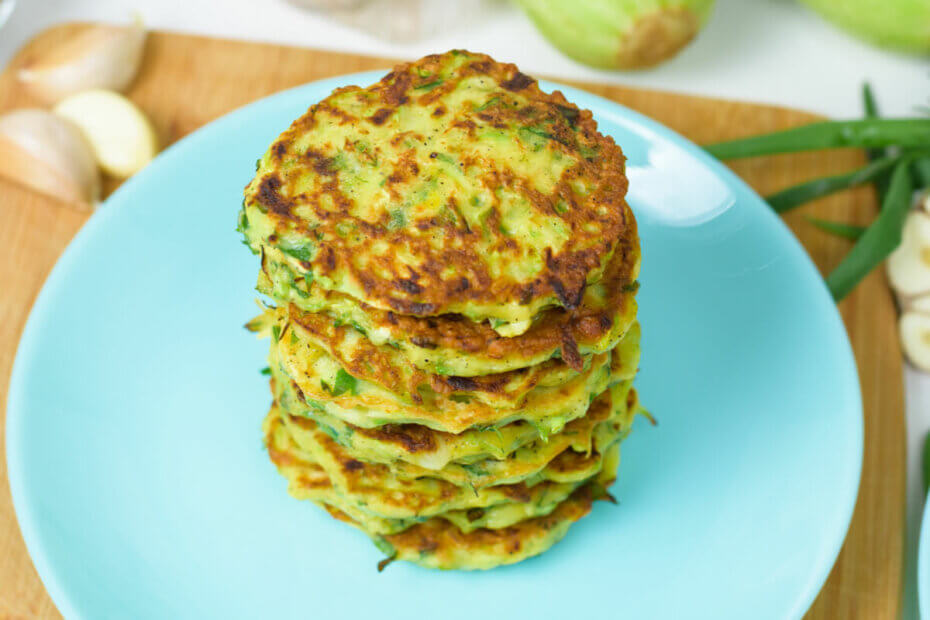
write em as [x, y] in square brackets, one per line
[774, 51]
[809, 54]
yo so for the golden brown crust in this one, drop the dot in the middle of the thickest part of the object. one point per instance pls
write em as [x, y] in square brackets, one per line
[583, 324]
[558, 330]
[597, 219]
[438, 536]
[382, 366]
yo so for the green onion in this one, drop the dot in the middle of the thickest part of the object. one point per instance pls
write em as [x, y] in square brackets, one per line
[805, 192]
[871, 111]
[865, 133]
[922, 171]
[266, 371]
[847, 231]
[881, 237]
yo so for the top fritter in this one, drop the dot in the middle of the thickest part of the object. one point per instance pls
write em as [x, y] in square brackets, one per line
[453, 185]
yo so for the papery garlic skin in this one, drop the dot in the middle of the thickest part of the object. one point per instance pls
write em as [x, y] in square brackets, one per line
[909, 264]
[914, 330]
[50, 155]
[99, 56]
[121, 136]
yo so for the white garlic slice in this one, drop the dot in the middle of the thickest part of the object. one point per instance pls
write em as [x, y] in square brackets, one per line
[98, 56]
[121, 136]
[909, 264]
[50, 155]
[914, 331]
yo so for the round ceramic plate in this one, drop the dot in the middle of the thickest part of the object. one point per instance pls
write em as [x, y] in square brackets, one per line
[143, 490]
[923, 564]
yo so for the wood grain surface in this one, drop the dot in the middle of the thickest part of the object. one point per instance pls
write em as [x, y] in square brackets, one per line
[187, 81]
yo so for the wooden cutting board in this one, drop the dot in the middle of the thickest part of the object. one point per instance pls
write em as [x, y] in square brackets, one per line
[187, 81]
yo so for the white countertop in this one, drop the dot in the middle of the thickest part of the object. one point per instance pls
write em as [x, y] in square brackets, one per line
[771, 51]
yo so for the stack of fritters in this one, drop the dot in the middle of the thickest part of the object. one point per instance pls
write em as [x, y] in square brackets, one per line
[453, 336]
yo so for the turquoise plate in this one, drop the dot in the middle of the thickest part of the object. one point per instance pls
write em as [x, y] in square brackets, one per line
[143, 491]
[923, 563]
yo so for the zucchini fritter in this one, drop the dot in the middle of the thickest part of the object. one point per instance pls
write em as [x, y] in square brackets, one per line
[453, 185]
[526, 523]
[452, 269]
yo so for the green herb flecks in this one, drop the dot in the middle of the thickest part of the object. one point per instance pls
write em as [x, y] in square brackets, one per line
[487, 104]
[475, 469]
[396, 219]
[425, 88]
[333, 434]
[266, 371]
[588, 153]
[302, 252]
[343, 383]
[316, 406]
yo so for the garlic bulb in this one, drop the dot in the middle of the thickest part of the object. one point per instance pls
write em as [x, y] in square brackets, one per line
[99, 56]
[120, 135]
[50, 155]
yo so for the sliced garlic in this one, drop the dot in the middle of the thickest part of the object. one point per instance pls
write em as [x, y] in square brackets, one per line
[914, 330]
[121, 136]
[909, 264]
[48, 154]
[920, 304]
[99, 56]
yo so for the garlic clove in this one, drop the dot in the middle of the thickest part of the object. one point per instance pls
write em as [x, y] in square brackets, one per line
[99, 56]
[909, 264]
[914, 330]
[50, 155]
[920, 304]
[121, 136]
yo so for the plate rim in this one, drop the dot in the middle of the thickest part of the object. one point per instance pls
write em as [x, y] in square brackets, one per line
[607, 108]
[923, 561]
